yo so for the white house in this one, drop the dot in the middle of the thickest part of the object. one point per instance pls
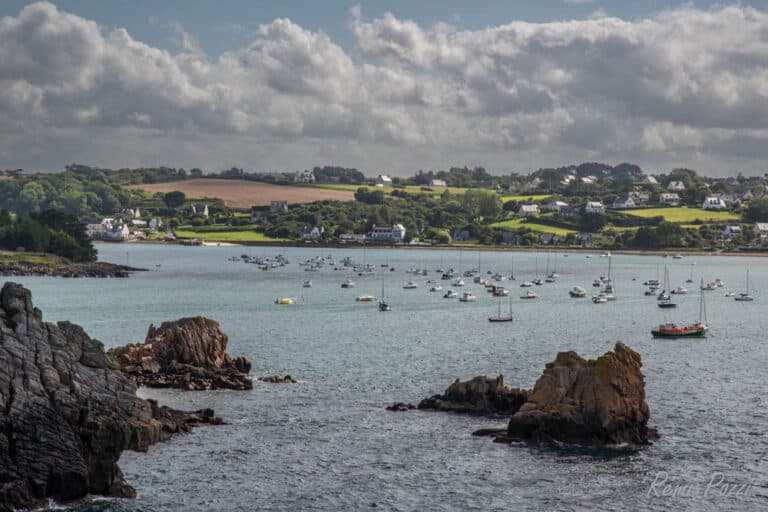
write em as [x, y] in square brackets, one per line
[554, 206]
[278, 206]
[117, 233]
[304, 176]
[676, 186]
[437, 183]
[594, 207]
[670, 198]
[313, 233]
[198, 210]
[761, 231]
[714, 203]
[394, 233]
[383, 181]
[621, 203]
[640, 197]
[650, 180]
[589, 180]
[731, 232]
[529, 210]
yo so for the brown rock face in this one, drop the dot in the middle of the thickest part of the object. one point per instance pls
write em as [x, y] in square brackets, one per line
[66, 412]
[586, 402]
[189, 354]
[482, 396]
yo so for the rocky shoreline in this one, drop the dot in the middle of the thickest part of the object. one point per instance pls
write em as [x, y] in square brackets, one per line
[575, 401]
[96, 269]
[67, 411]
[189, 354]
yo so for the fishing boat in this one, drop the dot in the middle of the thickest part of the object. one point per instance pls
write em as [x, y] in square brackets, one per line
[502, 318]
[530, 294]
[450, 294]
[410, 285]
[348, 283]
[697, 329]
[745, 297]
[577, 292]
[467, 297]
[284, 300]
[307, 283]
[600, 299]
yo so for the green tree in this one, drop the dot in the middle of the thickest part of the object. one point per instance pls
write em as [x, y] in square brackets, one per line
[174, 199]
[757, 211]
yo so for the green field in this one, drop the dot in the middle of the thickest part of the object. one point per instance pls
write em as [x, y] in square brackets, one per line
[228, 236]
[540, 197]
[682, 214]
[30, 257]
[542, 228]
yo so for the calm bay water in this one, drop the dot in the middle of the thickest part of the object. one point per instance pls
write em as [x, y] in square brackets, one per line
[328, 444]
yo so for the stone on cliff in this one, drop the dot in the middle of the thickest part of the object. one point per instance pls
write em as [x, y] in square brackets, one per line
[481, 395]
[66, 412]
[189, 354]
[586, 402]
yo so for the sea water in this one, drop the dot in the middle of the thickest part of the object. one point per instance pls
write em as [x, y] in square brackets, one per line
[327, 443]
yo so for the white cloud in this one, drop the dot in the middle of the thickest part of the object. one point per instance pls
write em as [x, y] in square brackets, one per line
[687, 83]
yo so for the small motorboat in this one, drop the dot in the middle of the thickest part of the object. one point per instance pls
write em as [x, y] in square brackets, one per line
[348, 283]
[600, 299]
[458, 282]
[467, 297]
[526, 284]
[500, 291]
[450, 294]
[307, 283]
[436, 288]
[597, 283]
[284, 300]
[530, 294]
[538, 281]
[365, 298]
[577, 292]
[730, 294]
[680, 290]
[410, 285]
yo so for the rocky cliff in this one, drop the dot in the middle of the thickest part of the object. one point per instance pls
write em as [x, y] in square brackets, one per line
[189, 354]
[481, 396]
[586, 402]
[66, 412]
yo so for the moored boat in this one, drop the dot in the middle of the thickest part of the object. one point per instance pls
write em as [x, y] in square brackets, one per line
[365, 298]
[577, 292]
[284, 300]
[450, 294]
[467, 297]
[530, 294]
[348, 283]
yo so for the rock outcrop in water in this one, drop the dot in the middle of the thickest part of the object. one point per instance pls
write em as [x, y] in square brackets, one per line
[189, 354]
[586, 402]
[66, 412]
[95, 269]
[482, 396]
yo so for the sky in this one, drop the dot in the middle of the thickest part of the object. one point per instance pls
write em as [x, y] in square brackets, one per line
[386, 87]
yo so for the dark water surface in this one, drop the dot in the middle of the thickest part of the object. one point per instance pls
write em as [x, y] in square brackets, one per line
[328, 444]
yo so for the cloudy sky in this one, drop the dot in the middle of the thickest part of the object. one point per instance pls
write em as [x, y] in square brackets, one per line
[385, 86]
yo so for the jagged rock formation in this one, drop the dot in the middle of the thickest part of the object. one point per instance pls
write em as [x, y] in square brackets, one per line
[400, 407]
[276, 379]
[481, 395]
[189, 354]
[66, 412]
[586, 402]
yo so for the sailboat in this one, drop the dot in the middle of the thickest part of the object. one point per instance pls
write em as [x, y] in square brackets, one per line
[383, 305]
[695, 330]
[499, 317]
[745, 297]
[665, 299]
[609, 290]
[537, 281]
[690, 277]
